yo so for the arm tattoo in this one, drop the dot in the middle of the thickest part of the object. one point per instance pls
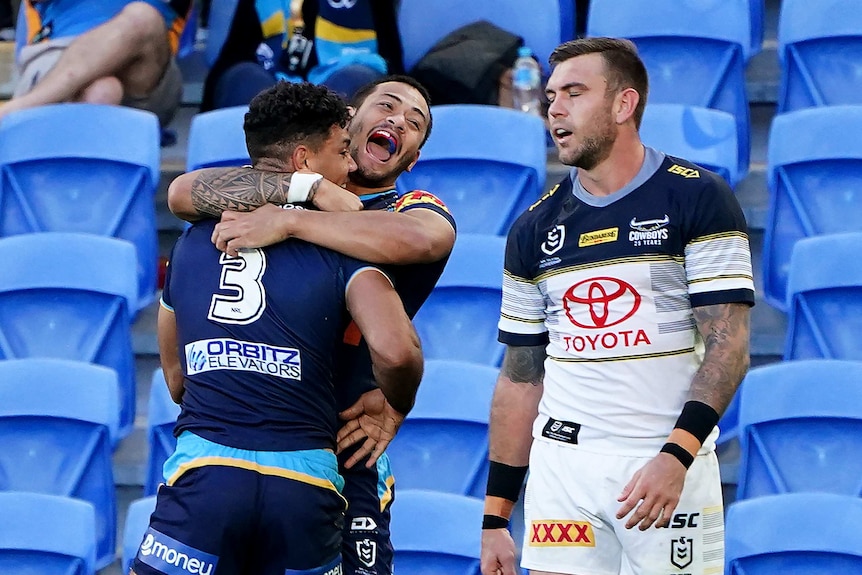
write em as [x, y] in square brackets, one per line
[238, 189]
[725, 330]
[525, 364]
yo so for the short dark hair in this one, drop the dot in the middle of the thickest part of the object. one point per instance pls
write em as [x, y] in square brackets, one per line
[625, 69]
[288, 114]
[362, 94]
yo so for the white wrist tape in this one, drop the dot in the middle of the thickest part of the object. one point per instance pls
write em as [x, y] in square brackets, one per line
[300, 186]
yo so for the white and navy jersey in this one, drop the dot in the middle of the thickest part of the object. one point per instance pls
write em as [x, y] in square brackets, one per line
[258, 336]
[608, 284]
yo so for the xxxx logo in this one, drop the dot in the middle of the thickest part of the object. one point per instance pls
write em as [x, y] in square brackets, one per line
[562, 534]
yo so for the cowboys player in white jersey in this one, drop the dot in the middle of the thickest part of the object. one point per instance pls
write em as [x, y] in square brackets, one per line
[625, 313]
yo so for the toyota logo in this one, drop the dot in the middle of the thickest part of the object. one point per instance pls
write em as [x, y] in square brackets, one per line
[609, 301]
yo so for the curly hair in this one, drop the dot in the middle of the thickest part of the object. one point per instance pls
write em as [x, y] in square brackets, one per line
[287, 114]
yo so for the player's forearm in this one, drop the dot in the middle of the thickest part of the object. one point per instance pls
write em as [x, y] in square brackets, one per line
[725, 329]
[398, 371]
[515, 405]
[376, 236]
[211, 191]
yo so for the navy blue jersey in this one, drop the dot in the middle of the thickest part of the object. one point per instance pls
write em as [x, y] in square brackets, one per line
[413, 282]
[258, 336]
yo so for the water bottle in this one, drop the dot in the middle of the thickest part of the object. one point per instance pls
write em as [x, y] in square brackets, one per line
[527, 83]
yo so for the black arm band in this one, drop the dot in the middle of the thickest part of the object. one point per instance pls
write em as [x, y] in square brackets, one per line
[505, 480]
[679, 452]
[697, 418]
[494, 522]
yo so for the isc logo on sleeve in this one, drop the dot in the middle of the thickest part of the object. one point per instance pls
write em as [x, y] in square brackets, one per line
[683, 171]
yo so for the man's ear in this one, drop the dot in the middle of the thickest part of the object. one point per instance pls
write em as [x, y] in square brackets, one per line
[300, 157]
[626, 102]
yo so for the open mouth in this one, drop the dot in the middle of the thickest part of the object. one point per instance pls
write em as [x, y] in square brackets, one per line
[561, 134]
[381, 145]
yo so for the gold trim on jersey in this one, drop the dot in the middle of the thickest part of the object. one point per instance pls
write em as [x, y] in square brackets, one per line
[623, 357]
[721, 277]
[520, 319]
[544, 197]
[719, 235]
[646, 258]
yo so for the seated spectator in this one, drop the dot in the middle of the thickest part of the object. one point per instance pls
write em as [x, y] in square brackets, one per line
[343, 45]
[106, 52]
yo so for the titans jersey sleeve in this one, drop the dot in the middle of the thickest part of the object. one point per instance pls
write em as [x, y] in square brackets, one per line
[413, 282]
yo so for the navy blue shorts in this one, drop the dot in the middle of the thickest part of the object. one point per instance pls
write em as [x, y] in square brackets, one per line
[367, 548]
[237, 518]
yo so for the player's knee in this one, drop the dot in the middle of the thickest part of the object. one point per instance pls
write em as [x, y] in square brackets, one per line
[142, 23]
[105, 90]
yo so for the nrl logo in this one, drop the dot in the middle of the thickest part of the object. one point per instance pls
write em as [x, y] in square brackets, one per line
[556, 238]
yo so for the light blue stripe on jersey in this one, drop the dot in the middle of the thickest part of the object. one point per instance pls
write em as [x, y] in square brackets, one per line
[314, 466]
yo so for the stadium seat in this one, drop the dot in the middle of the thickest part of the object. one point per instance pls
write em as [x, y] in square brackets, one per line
[67, 296]
[798, 533]
[422, 24]
[815, 185]
[46, 535]
[216, 139]
[820, 53]
[704, 136]
[137, 522]
[757, 17]
[220, 20]
[694, 51]
[567, 20]
[824, 294]
[443, 443]
[487, 182]
[84, 168]
[162, 414]
[459, 320]
[435, 533]
[800, 425]
[58, 422]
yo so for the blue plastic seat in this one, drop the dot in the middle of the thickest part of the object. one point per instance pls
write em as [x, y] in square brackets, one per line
[798, 533]
[459, 319]
[137, 522]
[162, 415]
[758, 16]
[219, 23]
[443, 444]
[567, 20]
[436, 533]
[694, 51]
[46, 535]
[487, 182]
[820, 53]
[216, 139]
[704, 136]
[824, 294]
[67, 296]
[58, 423]
[84, 168]
[815, 185]
[800, 425]
[422, 24]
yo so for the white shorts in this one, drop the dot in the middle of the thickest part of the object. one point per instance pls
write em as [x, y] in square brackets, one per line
[571, 526]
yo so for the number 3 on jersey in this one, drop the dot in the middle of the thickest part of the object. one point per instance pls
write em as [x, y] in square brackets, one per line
[243, 276]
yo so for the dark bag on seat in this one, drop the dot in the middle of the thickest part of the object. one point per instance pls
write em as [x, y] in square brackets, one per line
[465, 66]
